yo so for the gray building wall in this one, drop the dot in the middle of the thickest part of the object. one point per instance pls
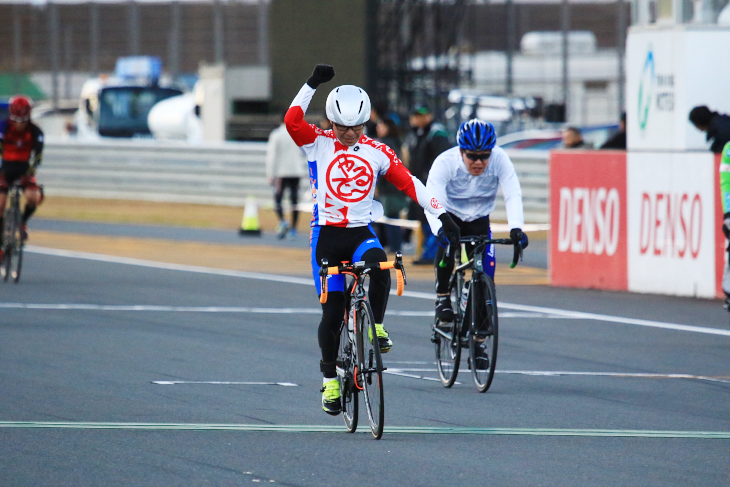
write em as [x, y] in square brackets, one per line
[303, 33]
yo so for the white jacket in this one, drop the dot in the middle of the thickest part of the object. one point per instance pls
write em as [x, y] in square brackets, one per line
[284, 158]
[471, 197]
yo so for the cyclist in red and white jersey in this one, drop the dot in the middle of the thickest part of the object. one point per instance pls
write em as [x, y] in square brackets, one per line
[21, 148]
[344, 165]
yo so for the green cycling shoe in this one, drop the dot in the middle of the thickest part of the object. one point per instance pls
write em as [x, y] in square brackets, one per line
[331, 397]
[383, 339]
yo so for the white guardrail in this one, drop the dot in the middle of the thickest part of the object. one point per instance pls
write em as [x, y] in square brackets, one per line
[220, 174]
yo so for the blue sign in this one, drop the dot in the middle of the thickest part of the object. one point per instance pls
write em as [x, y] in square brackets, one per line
[135, 67]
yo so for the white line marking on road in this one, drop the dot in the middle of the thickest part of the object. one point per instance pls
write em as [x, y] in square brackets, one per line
[215, 309]
[412, 376]
[640, 375]
[580, 315]
[413, 294]
[557, 373]
[163, 265]
[409, 362]
[294, 428]
[153, 308]
[223, 383]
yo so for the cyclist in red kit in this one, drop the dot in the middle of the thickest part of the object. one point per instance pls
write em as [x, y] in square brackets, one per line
[344, 165]
[21, 148]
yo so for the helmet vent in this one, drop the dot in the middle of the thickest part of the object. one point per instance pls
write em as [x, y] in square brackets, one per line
[338, 106]
[360, 109]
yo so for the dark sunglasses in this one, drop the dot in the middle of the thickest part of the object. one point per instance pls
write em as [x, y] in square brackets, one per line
[475, 156]
[345, 128]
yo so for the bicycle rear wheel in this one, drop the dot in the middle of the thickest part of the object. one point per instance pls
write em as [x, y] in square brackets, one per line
[346, 360]
[371, 366]
[484, 332]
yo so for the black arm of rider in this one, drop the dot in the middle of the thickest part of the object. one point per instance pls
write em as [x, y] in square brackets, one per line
[37, 145]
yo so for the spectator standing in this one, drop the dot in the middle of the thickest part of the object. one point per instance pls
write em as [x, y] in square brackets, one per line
[285, 165]
[392, 199]
[725, 201]
[717, 126]
[572, 138]
[426, 140]
[618, 141]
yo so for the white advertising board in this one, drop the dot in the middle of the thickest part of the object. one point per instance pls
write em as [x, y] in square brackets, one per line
[671, 230]
[670, 70]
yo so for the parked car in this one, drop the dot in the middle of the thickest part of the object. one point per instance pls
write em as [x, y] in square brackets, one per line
[593, 136]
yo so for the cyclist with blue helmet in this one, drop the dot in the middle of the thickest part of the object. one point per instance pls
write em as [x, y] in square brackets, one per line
[465, 180]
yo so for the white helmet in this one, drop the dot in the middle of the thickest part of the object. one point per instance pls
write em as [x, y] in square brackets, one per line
[348, 105]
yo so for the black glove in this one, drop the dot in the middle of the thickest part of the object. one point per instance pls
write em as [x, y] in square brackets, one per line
[726, 224]
[441, 238]
[518, 237]
[450, 230]
[322, 73]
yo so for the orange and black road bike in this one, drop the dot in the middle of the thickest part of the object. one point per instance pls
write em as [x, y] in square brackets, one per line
[359, 365]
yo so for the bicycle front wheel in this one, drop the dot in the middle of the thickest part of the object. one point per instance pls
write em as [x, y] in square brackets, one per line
[371, 368]
[5, 264]
[446, 338]
[16, 263]
[346, 360]
[484, 332]
[448, 351]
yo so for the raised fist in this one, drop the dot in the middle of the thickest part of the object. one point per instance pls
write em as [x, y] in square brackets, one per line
[322, 73]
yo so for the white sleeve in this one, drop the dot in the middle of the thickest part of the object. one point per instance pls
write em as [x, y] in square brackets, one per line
[438, 177]
[512, 191]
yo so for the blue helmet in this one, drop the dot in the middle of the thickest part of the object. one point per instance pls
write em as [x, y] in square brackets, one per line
[476, 135]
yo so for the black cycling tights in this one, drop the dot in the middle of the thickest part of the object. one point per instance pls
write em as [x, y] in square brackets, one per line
[333, 311]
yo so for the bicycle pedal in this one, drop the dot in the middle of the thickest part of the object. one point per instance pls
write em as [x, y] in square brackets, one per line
[385, 368]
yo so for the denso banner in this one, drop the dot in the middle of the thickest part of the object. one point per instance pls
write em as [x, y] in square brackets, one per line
[588, 219]
[671, 223]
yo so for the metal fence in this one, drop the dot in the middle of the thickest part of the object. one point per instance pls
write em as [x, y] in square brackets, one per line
[221, 174]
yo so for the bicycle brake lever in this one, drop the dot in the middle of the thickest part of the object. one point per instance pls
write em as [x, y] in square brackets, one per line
[399, 265]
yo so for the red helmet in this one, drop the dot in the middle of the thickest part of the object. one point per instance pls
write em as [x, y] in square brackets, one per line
[19, 109]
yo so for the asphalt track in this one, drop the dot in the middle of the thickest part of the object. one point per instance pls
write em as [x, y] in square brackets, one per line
[122, 372]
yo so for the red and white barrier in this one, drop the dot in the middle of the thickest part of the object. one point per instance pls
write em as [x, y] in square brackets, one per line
[637, 221]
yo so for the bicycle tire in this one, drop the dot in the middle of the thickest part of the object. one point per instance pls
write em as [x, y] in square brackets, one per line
[346, 360]
[14, 243]
[5, 265]
[483, 332]
[16, 263]
[448, 348]
[371, 368]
